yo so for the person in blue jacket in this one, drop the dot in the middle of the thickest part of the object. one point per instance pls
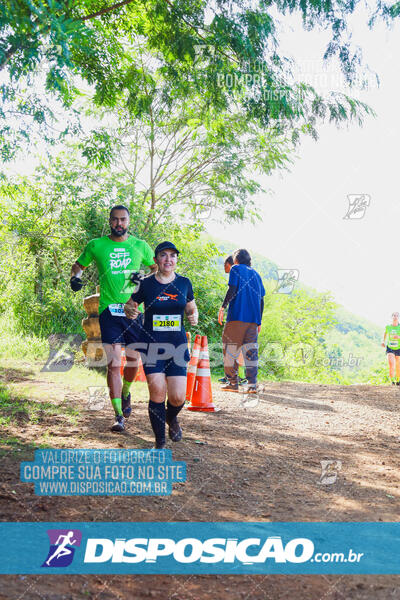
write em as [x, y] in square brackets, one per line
[245, 297]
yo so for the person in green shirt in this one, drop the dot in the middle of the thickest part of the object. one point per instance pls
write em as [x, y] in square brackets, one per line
[116, 256]
[391, 340]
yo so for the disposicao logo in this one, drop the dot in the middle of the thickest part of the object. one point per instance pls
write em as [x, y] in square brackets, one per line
[190, 550]
[62, 550]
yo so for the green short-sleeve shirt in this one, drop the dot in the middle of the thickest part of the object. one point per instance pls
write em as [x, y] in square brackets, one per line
[115, 262]
[393, 336]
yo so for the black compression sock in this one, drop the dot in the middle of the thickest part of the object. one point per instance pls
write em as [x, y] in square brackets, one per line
[172, 412]
[157, 419]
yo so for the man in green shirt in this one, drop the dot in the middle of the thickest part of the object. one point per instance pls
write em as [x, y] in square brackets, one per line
[391, 340]
[116, 256]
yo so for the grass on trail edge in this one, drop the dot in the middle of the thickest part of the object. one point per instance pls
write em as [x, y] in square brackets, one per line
[17, 409]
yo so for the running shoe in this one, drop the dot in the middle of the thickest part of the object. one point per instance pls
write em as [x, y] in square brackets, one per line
[159, 445]
[126, 406]
[242, 380]
[119, 424]
[175, 431]
[251, 389]
[230, 388]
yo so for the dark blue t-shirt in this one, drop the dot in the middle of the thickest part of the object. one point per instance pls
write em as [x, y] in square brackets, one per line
[164, 305]
[246, 304]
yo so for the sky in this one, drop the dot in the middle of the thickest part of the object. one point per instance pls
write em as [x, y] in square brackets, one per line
[303, 225]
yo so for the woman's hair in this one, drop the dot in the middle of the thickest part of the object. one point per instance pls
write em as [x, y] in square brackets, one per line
[229, 260]
[242, 257]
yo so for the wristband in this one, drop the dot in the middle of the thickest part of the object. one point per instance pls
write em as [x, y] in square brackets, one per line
[76, 283]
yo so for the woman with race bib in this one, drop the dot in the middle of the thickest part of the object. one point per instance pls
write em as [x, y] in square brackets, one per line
[391, 340]
[166, 296]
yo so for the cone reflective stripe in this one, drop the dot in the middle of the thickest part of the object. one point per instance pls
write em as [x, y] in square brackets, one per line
[191, 372]
[202, 393]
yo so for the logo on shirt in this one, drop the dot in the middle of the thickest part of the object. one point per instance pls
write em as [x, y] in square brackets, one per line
[166, 296]
[119, 259]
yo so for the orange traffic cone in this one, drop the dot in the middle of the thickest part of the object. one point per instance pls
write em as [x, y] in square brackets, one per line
[140, 375]
[202, 393]
[192, 368]
[123, 361]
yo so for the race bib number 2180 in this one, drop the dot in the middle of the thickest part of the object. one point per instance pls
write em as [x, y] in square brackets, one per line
[166, 322]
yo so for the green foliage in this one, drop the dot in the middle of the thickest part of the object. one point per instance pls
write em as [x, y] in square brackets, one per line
[19, 344]
[360, 354]
[60, 45]
[42, 236]
[349, 322]
[49, 217]
[292, 338]
[182, 161]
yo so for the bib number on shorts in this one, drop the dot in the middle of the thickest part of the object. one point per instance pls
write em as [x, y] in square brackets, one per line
[166, 322]
[117, 310]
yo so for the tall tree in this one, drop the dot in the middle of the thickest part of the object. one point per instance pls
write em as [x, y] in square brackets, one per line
[178, 163]
[201, 45]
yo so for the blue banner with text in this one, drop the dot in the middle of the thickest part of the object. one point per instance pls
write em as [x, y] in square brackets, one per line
[200, 548]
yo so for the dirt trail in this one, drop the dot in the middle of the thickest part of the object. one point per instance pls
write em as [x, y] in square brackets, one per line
[244, 463]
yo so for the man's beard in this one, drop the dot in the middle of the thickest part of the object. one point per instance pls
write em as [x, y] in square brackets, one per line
[119, 232]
